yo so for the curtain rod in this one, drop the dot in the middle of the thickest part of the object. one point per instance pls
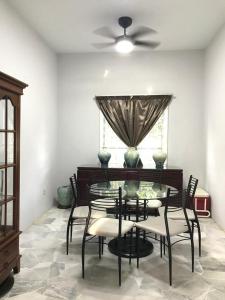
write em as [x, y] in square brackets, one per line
[123, 96]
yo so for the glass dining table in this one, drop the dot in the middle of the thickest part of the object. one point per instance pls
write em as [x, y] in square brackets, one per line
[133, 193]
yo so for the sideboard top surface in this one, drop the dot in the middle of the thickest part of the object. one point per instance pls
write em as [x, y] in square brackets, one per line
[113, 167]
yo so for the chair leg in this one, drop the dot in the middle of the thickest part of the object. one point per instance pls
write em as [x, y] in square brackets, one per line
[131, 239]
[137, 246]
[192, 227]
[83, 254]
[192, 251]
[100, 247]
[160, 246]
[103, 245]
[71, 231]
[144, 235]
[119, 261]
[199, 238]
[170, 259]
[164, 245]
[67, 237]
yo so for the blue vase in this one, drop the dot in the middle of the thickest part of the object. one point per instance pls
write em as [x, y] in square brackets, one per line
[131, 157]
[104, 157]
[65, 196]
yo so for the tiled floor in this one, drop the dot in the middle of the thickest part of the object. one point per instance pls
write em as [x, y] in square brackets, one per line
[47, 273]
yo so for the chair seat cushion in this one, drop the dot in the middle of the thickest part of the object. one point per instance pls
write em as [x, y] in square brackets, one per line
[157, 225]
[178, 214]
[81, 212]
[154, 203]
[109, 227]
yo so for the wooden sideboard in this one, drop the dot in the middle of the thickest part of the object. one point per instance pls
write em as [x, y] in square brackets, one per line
[90, 174]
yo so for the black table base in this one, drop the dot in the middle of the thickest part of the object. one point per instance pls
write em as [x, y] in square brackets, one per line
[129, 249]
[6, 285]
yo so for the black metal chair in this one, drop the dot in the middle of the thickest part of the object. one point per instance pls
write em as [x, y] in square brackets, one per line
[108, 226]
[77, 213]
[191, 213]
[167, 228]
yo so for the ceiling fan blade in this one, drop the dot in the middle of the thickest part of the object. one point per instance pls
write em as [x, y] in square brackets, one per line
[105, 32]
[147, 44]
[103, 45]
[140, 31]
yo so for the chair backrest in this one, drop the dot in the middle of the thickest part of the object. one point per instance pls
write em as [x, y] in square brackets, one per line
[191, 189]
[179, 197]
[173, 201]
[102, 198]
[73, 182]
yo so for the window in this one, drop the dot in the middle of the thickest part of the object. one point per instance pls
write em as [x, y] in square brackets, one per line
[155, 140]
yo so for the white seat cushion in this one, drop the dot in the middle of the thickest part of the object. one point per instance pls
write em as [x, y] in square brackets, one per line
[157, 225]
[178, 214]
[81, 212]
[154, 203]
[109, 227]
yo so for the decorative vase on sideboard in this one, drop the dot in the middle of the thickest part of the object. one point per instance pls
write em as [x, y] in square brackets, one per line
[159, 158]
[104, 157]
[65, 196]
[131, 157]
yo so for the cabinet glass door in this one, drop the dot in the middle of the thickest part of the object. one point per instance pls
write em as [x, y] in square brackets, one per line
[7, 166]
[2, 220]
[2, 113]
[2, 148]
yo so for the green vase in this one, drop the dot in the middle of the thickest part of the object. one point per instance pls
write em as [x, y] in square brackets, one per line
[65, 196]
[159, 158]
[131, 157]
[104, 157]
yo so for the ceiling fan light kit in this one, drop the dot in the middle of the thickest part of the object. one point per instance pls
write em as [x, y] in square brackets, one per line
[124, 45]
[126, 42]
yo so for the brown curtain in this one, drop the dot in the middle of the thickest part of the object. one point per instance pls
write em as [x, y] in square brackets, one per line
[132, 117]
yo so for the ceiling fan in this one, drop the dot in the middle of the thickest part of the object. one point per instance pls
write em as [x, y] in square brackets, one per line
[125, 43]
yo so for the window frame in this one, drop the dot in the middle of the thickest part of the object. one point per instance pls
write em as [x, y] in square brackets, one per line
[164, 139]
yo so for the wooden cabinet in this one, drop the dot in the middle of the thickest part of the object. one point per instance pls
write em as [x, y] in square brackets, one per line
[91, 174]
[11, 90]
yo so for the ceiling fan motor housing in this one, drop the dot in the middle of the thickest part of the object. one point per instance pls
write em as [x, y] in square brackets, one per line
[125, 22]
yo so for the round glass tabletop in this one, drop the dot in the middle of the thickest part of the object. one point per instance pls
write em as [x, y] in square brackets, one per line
[133, 189]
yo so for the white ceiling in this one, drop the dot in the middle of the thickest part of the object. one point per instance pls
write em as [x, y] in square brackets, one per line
[67, 25]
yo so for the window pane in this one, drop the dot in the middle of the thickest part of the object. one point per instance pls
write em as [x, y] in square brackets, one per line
[2, 184]
[2, 220]
[154, 141]
[2, 148]
[2, 114]
[10, 181]
[10, 115]
[10, 150]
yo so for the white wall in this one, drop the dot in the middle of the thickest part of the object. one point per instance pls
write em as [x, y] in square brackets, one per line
[215, 125]
[24, 56]
[81, 77]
